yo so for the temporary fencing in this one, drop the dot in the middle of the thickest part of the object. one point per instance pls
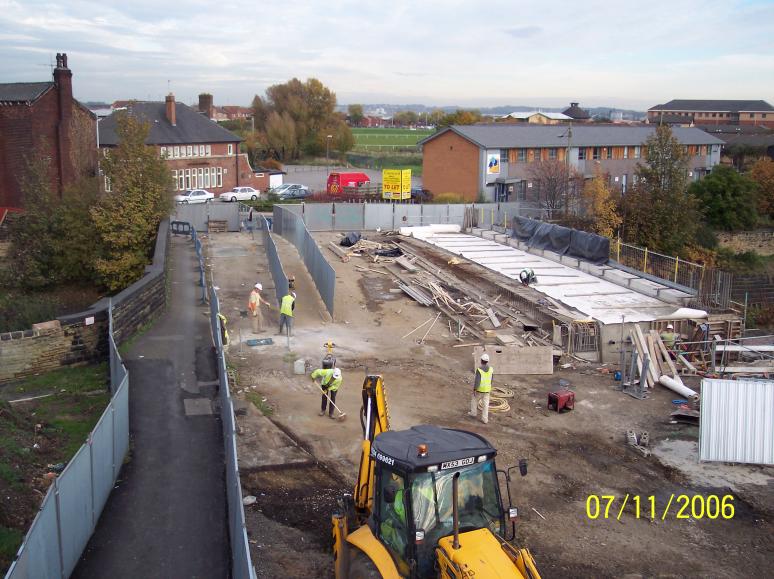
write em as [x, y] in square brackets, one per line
[241, 563]
[275, 265]
[74, 501]
[291, 226]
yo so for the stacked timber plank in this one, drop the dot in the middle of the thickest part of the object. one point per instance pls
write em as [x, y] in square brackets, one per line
[660, 368]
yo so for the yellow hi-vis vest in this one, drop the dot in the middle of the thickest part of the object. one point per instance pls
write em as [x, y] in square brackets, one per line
[328, 382]
[485, 385]
[287, 305]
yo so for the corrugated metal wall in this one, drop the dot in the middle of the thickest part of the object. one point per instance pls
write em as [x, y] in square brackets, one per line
[737, 421]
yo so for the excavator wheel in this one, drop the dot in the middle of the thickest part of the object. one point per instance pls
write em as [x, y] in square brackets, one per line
[361, 567]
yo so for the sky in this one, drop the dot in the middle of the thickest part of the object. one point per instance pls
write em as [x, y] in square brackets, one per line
[434, 52]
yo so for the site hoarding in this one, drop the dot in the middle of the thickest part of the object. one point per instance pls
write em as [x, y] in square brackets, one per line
[396, 184]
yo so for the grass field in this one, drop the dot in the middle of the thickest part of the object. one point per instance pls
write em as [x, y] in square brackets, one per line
[388, 139]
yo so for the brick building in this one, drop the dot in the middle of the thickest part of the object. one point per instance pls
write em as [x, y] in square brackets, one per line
[199, 152]
[714, 112]
[43, 118]
[495, 159]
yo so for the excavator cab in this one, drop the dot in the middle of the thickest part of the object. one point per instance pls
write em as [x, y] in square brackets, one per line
[427, 503]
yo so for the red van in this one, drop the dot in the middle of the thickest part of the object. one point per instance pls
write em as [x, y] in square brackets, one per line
[337, 181]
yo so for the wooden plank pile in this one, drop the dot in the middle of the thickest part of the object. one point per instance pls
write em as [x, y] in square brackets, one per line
[660, 362]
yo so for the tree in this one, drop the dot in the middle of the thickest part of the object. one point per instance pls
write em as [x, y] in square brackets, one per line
[601, 207]
[459, 117]
[728, 199]
[355, 114]
[658, 212]
[32, 234]
[296, 117]
[405, 118]
[127, 218]
[557, 185]
[762, 174]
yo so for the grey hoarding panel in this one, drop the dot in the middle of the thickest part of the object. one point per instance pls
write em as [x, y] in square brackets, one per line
[434, 214]
[319, 216]
[349, 216]
[737, 421]
[221, 211]
[456, 214]
[407, 215]
[40, 556]
[75, 506]
[121, 425]
[102, 460]
[378, 216]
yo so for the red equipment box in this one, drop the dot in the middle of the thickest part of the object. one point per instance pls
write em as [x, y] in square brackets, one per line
[561, 400]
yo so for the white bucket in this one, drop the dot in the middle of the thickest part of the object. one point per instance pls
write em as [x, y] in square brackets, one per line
[299, 367]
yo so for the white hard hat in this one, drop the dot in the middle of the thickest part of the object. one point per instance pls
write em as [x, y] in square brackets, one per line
[670, 327]
[336, 373]
[293, 294]
[485, 357]
[258, 286]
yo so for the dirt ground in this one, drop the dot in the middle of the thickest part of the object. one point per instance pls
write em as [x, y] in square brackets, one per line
[570, 456]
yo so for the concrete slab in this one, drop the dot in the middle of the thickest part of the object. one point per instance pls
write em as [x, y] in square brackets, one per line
[197, 406]
[263, 446]
[510, 360]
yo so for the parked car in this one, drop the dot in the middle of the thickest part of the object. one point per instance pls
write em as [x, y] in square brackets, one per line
[291, 191]
[194, 196]
[240, 194]
[420, 195]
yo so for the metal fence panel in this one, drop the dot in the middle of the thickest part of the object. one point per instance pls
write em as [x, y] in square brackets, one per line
[349, 216]
[320, 218]
[456, 214]
[75, 508]
[407, 215]
[737, 421]
[199, 213]
[39, 555]
[435, 214]
[378, 216]
[275, 265]
[102, 448]
[120, 425]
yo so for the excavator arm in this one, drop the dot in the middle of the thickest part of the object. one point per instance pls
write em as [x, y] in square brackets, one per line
[375, 419]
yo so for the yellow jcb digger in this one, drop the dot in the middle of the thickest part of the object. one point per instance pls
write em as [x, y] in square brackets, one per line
[427, 504]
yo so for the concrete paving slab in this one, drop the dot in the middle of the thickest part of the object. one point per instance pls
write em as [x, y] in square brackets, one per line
[197, 406]
[263, 446]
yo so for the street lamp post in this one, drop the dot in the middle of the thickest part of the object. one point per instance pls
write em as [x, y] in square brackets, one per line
[327, 154]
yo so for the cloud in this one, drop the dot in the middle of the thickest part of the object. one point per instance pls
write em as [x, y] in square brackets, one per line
[523, 31]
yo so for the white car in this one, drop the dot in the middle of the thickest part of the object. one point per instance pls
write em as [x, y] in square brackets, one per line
[194, 196]
[240, 194]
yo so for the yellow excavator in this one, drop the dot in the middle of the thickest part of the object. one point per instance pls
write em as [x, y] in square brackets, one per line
[427, 503]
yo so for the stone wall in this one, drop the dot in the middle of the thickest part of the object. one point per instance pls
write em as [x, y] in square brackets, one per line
[761, 242]
[758, 287]
[81, 338]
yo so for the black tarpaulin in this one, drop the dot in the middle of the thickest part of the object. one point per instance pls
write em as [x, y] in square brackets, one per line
[561, 240]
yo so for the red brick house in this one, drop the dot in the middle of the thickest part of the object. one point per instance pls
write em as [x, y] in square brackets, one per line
[44, 114]
[714, 112]
[199, 152]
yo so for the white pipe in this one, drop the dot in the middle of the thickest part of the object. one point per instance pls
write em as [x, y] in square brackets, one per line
[678, 387]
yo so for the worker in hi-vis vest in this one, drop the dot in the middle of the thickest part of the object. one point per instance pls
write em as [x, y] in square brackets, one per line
[330, 380]
[482, 386]
[287, 305]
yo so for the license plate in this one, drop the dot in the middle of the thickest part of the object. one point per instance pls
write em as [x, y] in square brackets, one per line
[457, 463]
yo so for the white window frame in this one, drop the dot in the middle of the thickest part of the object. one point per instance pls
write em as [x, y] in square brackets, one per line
[626, 152]
[188, 179]
[201, 177]
[195, 151]
[189, 151]
[219, 171]
[181, 180]
[207, 177]
[208, 150]
[177, 152]
[230, 149]
[163, 152]
[174, 179]
[637, 151]
[108, 185]
[201, 150]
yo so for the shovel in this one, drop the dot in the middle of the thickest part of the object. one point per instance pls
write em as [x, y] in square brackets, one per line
[341, 415]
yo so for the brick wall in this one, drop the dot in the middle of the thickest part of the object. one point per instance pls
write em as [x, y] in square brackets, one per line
[82, 337]
[450, 165]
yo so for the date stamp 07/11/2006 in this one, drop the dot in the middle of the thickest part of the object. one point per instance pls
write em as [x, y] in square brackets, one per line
[650, 507]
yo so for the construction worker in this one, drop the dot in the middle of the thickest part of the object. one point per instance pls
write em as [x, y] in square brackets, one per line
[330, 380]
[287, 306]
[393, 525]
[223, 330]
[254, 305]
[292, 282]
[482, 386]
[527, 276]
[669, 337]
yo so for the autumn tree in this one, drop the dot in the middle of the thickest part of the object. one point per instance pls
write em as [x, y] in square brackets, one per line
[127, 218]
[459, 117]
[762, 174]
[658, 212]
[728, 199]
[356, 115]
[601, 206]
[296, 118]
[405, 118]
[557, 186]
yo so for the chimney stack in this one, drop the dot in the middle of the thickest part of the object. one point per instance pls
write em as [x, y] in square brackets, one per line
[63, 78]
[205, 105]
[574, 104]
[171, 110]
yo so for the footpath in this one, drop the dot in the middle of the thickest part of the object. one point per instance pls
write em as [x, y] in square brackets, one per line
[167, 515]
